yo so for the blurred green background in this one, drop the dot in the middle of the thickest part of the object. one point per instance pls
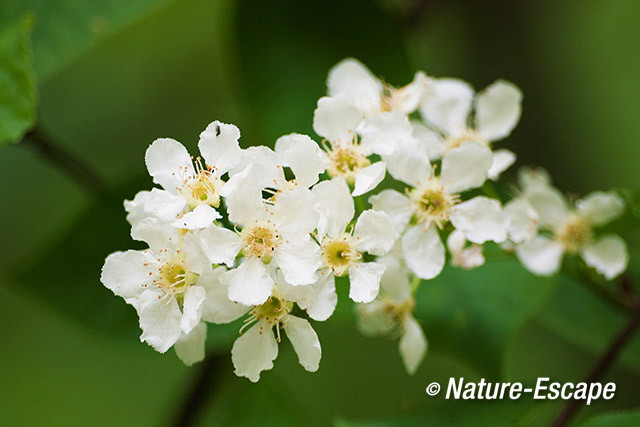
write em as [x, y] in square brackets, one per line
[112, 76]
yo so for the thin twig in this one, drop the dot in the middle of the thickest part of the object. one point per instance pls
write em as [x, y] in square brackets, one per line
[66, 162]
[199, 392]
[606, 360]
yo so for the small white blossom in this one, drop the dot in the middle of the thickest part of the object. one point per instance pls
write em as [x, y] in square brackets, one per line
[433, 201]
[390, 314]
[342, 252]
[570, 229]
[447, 105]
[165, 283]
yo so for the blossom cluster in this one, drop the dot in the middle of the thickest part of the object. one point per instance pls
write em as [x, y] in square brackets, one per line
[254, 232]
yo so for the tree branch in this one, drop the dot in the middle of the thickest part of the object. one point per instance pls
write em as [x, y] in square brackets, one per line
[199, 392]
[607, 359]
[64, 161]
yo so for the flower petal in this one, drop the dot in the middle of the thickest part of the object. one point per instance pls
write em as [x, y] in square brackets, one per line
[219, 146]
[523, 220]
[364, 281]
[409, 163]
[294, 212]
[190, 347]
[550, 205]
[334, 206]
[169, 163]
[351, 78]
[609, 256]
[326, 299]
[467, 258]
[298, 259]
[254, 351]
[600, 208]
[382, 133]
[541, 255]
[374, 232]
[498, 110]
[502, 159]
[192, 308]
[159, 320]
[217, 307]
[125, 273]
[408, 98]
[395, 204]
[155, 203]
[303, 156]
[368, 178]
[447, 104]
[336, 119]
[201, 217]
[220, 245]
[423, 251]
[412, 345]
[395, 280]
[305, 342]
[433, 142]
[480, 219]
[243, 197]
[465, 167]
[250, 283]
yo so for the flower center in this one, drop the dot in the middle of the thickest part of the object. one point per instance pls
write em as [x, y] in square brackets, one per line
[260, 241]
[274, 311]
[574, 234]
[202, 189]
[174, 278]
[433, 203]
[346, 162]
[339, 254]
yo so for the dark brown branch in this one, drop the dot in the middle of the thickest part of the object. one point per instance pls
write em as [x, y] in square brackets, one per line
[607, 359]
[200, 391]
[66, 162]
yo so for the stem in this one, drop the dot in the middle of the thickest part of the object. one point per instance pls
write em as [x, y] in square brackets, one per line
[198, 394]
[607, 359]
[66, 162]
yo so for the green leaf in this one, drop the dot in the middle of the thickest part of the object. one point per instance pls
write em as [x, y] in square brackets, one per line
[615, 419]
[17, 83]
[474, 315]
[69, 28]
[461, 413]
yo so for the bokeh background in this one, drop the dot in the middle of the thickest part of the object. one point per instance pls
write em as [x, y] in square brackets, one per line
[113, 76]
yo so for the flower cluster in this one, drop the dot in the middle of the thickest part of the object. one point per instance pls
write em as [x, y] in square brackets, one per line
[256, 232]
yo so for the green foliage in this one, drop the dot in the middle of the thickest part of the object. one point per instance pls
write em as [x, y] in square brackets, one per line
[473, 315]
[615, 419]
[68, 28]
[17, 83]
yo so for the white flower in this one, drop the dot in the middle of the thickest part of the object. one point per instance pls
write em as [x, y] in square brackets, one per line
[275, 233]
[350, 78]
[571, 230]
[336, 119]
[342, 251]
[390, 314]
[257, 347]
[166, 284]
[435, 201]
[447, 105]
[198, 185]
